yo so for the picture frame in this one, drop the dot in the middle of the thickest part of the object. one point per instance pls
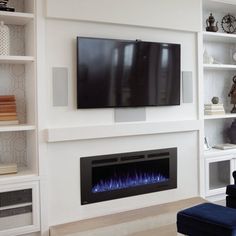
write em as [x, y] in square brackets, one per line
[206, 144]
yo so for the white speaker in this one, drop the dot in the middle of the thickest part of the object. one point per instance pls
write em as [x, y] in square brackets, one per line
[130, 114]
[60, 86]
[187, 86]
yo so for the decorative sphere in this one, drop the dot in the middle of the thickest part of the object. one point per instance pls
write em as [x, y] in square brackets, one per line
[215, 100]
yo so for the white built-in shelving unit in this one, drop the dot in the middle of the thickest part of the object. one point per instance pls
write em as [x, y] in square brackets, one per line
[18, 143]
[217, 81]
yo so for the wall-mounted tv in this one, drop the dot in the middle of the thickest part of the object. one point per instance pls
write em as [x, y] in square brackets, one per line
[125, 73]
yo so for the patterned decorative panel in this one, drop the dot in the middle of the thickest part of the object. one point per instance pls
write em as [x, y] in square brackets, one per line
[13, 145]
[17, 39]
[13, 148]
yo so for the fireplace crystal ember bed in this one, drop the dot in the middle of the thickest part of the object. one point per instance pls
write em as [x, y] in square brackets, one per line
[127, 174]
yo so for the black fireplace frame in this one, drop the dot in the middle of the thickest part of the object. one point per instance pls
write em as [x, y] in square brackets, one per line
[87, 163]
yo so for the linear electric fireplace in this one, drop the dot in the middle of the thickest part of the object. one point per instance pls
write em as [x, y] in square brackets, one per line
[127, 174]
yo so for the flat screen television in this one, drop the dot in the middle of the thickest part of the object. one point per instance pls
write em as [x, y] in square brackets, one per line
[125, 73]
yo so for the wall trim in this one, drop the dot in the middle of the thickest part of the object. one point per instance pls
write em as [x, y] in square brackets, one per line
[166, 14]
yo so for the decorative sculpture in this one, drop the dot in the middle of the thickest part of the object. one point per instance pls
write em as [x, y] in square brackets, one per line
[232, 94]
[4, 7]
[210, 24]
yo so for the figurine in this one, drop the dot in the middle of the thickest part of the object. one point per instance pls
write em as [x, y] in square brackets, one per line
[232, 132]
[210, 24]
[4, 7]
[232, 94]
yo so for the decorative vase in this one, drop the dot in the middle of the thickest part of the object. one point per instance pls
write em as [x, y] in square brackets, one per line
[4, 39]
[232, 132]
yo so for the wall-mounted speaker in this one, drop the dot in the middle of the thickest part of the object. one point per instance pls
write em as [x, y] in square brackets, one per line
[187, 86]
[130, 114]
[60, 86]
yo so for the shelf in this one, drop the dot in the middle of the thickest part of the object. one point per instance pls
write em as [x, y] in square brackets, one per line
[119, 130]
[219, 67]
[16, 59]
[15, 18]
[23, 174]
[225, 116]
[219, 37]
[22, 127]
[213, 152]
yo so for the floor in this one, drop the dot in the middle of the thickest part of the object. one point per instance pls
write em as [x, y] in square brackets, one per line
[156, 220]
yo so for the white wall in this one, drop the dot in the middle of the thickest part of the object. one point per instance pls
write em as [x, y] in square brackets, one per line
[167, 14]
[63, 157]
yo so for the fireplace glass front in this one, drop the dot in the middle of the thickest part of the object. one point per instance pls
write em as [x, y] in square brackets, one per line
[127, 174]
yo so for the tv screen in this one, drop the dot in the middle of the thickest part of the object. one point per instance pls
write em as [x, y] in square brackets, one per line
[123, 73]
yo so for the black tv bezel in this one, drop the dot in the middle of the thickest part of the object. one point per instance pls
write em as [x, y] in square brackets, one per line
[130, 106]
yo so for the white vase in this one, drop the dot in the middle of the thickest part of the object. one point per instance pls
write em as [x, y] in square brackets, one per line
[4, 39]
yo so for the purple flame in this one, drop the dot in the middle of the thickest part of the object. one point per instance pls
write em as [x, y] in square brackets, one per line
[138, 179]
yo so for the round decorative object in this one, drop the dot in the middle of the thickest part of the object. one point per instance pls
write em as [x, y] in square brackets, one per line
[4, 39]
[215, 100]
[228, 24]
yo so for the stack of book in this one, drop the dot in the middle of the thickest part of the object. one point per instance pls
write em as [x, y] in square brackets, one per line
[214, 109]
[225, 146]
[8, 110]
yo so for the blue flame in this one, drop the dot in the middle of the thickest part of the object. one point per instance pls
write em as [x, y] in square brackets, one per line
[115, 183]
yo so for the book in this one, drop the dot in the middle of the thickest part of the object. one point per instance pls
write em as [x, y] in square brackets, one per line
[8, 168]
[214, 112]
[225, 146]
[7, 98]
[214, 105]
[7, 114]
[9, 122]
[5, 118]
[7, 103]
[7, 109]
[214, 109]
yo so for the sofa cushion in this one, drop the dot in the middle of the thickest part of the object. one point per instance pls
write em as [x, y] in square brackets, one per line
[207, 220]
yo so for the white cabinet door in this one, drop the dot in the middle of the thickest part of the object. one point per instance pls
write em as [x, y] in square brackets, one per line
[19, 209]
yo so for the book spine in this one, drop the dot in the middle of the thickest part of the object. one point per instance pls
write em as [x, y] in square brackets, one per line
[7, 103]
[6, 118]
[7, 114]
[214, 109]
[7, 98]
[8, 108]
[214, 113]
[9, 122]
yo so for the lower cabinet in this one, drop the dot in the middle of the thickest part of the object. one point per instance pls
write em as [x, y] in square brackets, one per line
[19, 209]
[218, 173]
